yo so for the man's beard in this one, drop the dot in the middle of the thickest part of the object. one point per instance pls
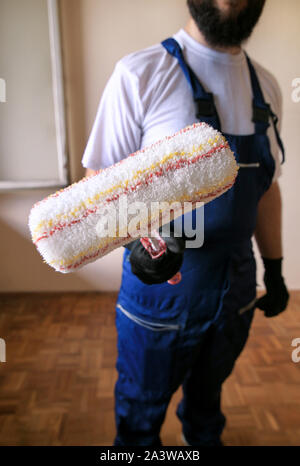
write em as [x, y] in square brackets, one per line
[221, 30]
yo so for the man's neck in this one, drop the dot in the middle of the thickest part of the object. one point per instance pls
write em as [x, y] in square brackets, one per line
[192, 29]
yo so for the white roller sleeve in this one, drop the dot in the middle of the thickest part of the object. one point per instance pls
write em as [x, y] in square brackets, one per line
[195, 165]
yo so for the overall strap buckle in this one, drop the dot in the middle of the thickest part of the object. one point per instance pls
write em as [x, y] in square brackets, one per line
[205, 107]
[261, 117]
[261, 114]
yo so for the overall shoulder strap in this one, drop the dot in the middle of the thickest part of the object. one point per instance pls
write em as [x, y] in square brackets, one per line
[204, 101]
[261, 110]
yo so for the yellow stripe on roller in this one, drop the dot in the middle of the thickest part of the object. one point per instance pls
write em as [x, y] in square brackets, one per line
[83, 204]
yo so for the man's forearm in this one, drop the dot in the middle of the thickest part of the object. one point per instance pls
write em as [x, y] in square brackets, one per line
[89, 172]
[268, 226]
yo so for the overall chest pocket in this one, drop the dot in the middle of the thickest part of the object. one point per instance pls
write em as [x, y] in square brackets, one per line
[256, 168]
[256, 163]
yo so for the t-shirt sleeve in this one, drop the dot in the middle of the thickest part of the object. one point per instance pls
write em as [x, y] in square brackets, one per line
[116, 131]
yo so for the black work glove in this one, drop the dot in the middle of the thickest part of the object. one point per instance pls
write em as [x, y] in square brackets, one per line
[153, 271]
[277, 296]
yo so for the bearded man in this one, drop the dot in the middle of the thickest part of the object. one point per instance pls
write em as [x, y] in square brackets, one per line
[192, 333]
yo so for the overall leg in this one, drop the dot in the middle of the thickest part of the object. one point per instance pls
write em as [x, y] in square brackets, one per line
[144, 388]
[200, 409]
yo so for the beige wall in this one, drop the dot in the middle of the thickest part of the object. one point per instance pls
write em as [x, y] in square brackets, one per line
[96, 33]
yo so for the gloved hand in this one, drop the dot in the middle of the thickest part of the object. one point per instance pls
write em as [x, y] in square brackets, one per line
[153, 271]
[277, 296]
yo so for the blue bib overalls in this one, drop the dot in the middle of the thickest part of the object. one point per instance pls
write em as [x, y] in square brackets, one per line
[193, 332]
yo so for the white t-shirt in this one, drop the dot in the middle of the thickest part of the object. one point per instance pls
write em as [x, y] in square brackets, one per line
[148, 97]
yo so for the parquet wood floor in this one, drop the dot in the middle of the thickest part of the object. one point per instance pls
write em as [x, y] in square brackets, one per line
[56, 386]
